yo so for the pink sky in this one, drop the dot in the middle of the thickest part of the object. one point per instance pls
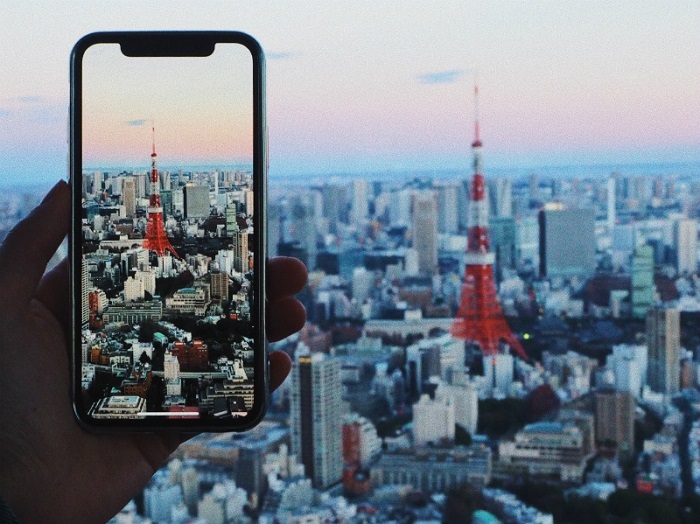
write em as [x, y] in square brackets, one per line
[375, 86]
[201, 107]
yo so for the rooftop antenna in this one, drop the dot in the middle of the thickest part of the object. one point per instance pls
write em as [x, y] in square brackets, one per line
[477, 138]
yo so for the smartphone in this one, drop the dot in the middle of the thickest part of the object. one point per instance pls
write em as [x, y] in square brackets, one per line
[167, 241]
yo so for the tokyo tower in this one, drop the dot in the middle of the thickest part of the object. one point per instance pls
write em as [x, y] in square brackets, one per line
[156, 239]
[479, 317]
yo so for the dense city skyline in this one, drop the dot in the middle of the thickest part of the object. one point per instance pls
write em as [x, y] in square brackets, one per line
[379, 88]
[390, 413]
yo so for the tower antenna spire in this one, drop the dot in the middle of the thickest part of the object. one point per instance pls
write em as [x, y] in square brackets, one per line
[476, 109]
[153, 138]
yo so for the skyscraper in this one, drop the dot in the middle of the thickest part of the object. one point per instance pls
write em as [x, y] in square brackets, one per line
[643, 288]
[501, 197]
[685, 242]
[219, 285]
[425, 231]
[567, 242]
[448, 207]
[502, 231]
[240, 251]
[231, 223]
[663, 326]
[359, 209]
[614, 419]
[196, 200]
[611, 202]
[129, 197]
[316, 418]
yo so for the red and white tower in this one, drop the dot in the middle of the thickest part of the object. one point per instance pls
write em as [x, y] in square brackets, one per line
[156, 239]
[479, 317]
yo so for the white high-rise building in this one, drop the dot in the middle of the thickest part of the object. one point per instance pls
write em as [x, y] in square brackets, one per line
[685, 240]
[148, 279]
[448, 208]
[433, 420]
[629, 365]
[316, 422]
[133, 290]
[466, 398]
[361, 284]
[171, 371]
[425, 237]
[498, 373]
[359, 210]
[129, 196]
[500, 192]
[400, 207]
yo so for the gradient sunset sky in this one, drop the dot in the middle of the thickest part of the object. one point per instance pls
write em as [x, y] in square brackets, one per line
[201, 107]
[378, 86]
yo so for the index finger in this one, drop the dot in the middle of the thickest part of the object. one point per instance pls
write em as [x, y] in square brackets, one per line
[286, 276]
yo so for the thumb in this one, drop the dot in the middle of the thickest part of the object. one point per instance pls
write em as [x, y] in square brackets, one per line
[31, 244]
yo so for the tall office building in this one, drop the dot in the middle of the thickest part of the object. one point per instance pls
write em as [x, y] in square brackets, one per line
[305, 211]
[166, 200]
[643, 288]
[533, 188]
[219, 285]
[84, 285]
[611, 202]
[614, 419]
[316, 422]
[240, 251]
[359, 206]
[663, 330]
[500, 191]
[448, 207]
[502, 231]
[685, 242]
[425, 231]
[196, 201]
[567, 242]
[274, 229]
[335, 198]
[527, 240]
[231, 222]
[129, 197]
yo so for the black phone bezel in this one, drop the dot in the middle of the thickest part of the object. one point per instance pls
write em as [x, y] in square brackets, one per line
[171, 43]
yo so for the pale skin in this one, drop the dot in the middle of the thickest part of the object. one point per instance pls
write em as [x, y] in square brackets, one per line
[51, 470]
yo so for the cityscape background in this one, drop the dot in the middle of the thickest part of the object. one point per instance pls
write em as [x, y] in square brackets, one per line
[591, 167]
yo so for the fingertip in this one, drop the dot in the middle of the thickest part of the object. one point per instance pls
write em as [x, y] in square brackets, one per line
[284, 317]
[280, 367]
[286, 276]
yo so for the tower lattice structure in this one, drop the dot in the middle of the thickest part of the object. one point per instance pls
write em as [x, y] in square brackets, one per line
[480, 317]
[156, 238]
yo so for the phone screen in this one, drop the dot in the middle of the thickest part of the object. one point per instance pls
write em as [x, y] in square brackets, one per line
[168, 253]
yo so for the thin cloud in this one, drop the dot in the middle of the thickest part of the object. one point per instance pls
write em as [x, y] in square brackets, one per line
[4, 113]
[441, 77]
[139, 122]
[29, 99]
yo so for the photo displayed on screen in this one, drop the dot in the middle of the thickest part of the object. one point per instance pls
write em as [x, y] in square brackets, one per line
[167, 235]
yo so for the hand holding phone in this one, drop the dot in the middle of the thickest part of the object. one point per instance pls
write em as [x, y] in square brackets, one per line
[167, 240]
